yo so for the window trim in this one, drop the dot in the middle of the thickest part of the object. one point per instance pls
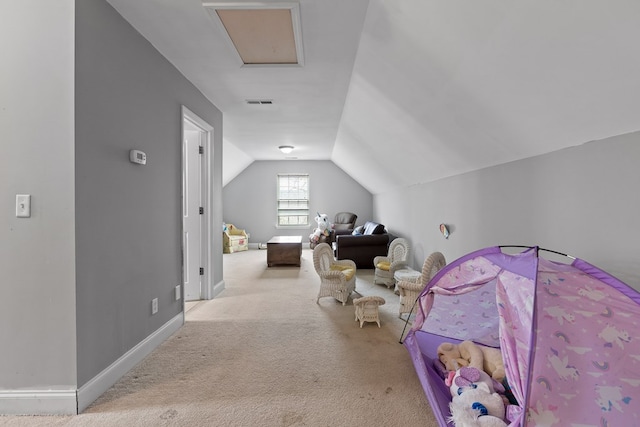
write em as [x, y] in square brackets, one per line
[308, 200]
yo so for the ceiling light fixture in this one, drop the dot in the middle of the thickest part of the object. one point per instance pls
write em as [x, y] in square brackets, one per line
[286, 149]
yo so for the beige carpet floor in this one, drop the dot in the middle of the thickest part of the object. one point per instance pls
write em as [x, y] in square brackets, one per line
[264, 353]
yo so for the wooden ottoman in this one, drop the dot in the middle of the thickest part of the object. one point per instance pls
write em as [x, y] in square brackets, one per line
[284, 250]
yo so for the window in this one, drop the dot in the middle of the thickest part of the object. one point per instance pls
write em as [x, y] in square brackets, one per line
[293, 200]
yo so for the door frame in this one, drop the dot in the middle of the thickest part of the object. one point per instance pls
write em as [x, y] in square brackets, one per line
[206, 238]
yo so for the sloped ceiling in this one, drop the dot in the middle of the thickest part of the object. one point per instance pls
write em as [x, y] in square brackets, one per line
[401, 92]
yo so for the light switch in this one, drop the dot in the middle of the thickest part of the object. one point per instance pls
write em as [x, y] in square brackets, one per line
[23, 205]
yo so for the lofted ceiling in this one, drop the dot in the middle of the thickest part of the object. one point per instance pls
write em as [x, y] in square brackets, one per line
[401, 92]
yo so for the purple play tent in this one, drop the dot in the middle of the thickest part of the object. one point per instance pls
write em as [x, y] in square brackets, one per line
[569, 336]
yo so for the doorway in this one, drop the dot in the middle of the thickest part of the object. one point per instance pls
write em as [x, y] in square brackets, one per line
[196, 207]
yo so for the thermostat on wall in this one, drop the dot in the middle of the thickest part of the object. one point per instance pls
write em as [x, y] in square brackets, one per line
[137, 156]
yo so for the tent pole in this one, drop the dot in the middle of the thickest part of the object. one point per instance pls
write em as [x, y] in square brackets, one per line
[406, 322]
[537, 249]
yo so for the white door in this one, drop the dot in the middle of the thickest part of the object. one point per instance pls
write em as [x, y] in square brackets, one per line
[192, 219]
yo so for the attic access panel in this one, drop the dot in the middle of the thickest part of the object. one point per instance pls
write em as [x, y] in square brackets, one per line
[260, 33]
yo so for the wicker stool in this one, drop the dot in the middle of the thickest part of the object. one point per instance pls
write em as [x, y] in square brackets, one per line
[367, 309]
[406, 274]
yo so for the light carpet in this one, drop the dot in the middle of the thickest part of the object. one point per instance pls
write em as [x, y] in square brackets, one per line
[263, 353]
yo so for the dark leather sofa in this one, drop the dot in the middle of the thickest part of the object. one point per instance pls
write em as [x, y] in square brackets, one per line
[363, 248]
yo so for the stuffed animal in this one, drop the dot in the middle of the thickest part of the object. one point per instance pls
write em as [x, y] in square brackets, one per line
[470, 377]
[493, 363]
[468, 353]
[323, 228]
[456, 356]
[474, 403]
[477, 407]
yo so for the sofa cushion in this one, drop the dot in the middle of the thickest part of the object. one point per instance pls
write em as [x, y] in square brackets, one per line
[358, 230]
[373, 228]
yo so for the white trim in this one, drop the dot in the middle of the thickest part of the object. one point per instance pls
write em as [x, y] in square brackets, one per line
[193, 117]
[38, 402]
[71, 401]
[294, 8]
[208, 226]
[89, 392]
[207, 201]
[293, 226]
[217, 288]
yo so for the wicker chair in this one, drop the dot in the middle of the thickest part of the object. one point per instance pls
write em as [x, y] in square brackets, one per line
[386, 266]
[367, 309]
[337, 277]
[409, 291]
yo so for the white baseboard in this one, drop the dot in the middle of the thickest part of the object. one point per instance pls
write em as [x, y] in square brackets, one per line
[38, 402]
[217, 288]
[71, 401]
[105, 379]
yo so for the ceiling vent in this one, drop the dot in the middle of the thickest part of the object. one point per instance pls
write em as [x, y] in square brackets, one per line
[260, 33]
[259, 101]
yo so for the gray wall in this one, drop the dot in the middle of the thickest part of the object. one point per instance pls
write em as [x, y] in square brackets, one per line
[104, 236]
[128, 217]
[583, 201]
[37, 254]
[249, 200]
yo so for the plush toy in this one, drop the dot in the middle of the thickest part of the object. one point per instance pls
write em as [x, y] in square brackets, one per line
[455, 356]
[468, 353]
[474, 403]
[493, 363]
[470, 377]
[323, 228]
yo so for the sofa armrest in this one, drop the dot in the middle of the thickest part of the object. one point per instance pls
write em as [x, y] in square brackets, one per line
[335, 233]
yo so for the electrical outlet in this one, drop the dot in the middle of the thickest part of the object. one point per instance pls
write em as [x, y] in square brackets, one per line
[178, 293]
[154, 306]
